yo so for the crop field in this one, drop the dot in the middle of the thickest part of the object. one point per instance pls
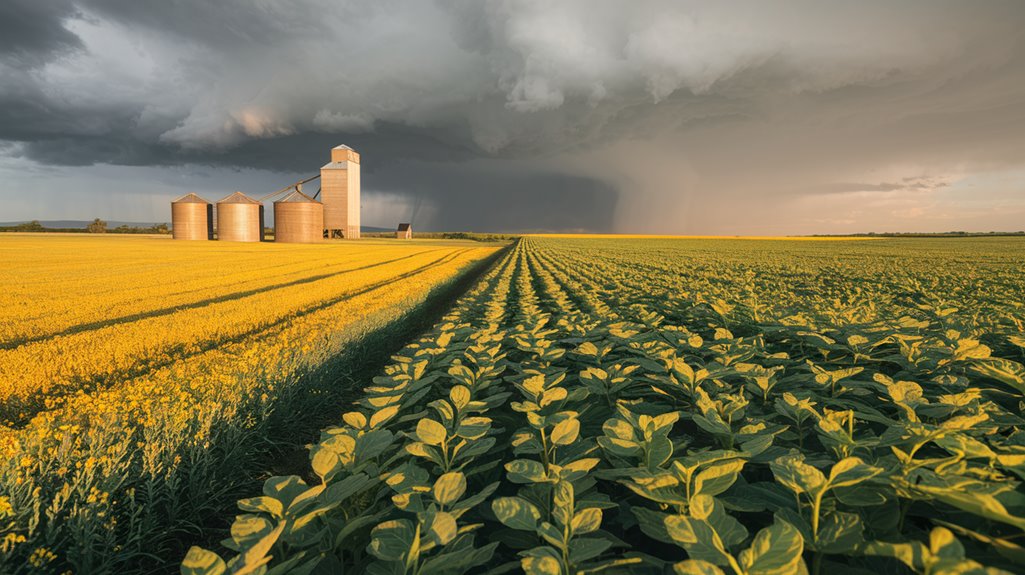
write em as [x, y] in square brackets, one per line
[679, 405]
[141, 380]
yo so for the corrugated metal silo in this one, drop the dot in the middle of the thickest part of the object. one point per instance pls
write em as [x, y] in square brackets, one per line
[239, 219]
[298, 218]
[192, 218]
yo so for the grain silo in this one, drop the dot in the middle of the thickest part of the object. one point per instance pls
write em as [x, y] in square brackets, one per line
[239, 219]
[192, 218]
[405, 232]
[298, 218]
[339, 190]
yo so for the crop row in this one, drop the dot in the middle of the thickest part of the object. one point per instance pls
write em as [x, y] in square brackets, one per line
[644, 406]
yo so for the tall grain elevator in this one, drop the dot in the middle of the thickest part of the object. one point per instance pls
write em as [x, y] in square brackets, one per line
[339, 191]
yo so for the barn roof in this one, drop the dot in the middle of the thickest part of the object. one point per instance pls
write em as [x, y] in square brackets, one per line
[404, 227]
[190, 198]
[238, 198]
[297, 197]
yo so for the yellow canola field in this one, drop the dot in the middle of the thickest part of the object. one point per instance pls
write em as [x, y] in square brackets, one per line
[105, 356]
[129, 396]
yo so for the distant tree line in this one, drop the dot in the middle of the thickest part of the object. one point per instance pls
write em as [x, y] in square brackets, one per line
[956, 234]
[97, 226]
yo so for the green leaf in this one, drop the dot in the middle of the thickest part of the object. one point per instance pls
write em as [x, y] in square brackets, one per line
[707, 539]
[199, 561]
[552, 534]
[442, 528]
[1007, 549]
[725, 526]
[913, 554]
[776, 550]
[431, 432]
[978, 503]
[247, 528]
[552, 395]
[1005, 371]
[372, 444]
[391, 540]
[586, 521]
[355, 419]
[563, 503]
[541, 566]
[473, 427]
[383, 415]
[861, 495]
[851, 471]
[618, 429]
[943, 544]
[460, 560]
[696, 567]
[798, 476]
[526, 471]
[579, 468]
[658, 451]
[587, 548]
[652, 524]
[717, 477]
[839, 532]
[460, 396]
[477, 498]
[712, 423]
[566, 431]
[263, 503]
[516, 512]
[449, 488]
[702, 506]
[255, 555]
[680, 529]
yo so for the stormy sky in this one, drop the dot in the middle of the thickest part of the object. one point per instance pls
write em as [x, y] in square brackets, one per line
[651, 116]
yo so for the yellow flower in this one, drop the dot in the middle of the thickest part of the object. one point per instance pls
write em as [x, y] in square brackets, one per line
[41, 556]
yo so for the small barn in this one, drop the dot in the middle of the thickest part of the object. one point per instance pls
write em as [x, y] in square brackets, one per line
[405, 232]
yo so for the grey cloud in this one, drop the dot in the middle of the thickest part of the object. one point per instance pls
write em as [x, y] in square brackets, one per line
[32, 31]
[906, 184]
[672, 104]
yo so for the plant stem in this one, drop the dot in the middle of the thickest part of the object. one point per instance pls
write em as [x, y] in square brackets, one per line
[816, 506]
[905, 506]
[544, 450]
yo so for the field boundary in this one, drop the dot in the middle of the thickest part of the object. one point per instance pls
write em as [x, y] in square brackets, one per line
[345, 374]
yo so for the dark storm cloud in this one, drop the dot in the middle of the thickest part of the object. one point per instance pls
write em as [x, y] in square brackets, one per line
[672, 105]
[32, 31]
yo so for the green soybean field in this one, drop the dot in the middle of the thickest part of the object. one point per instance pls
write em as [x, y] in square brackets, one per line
[692, 406]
